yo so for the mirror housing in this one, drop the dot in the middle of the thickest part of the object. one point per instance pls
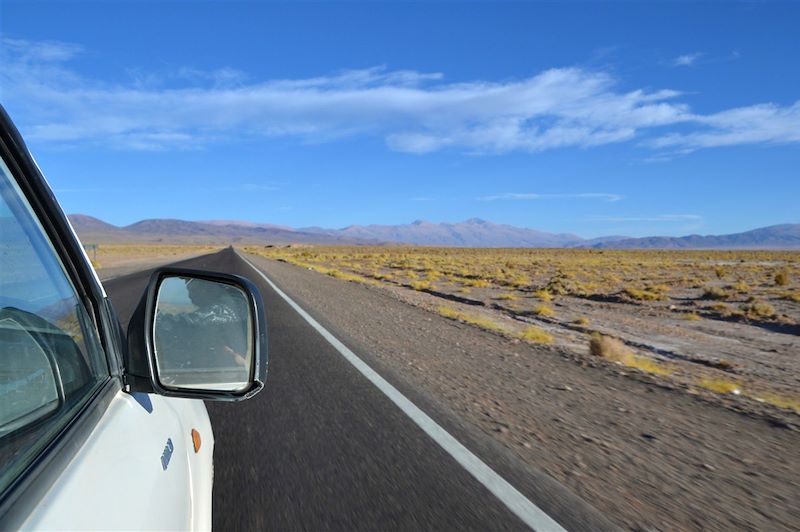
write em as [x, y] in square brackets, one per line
[149, 371]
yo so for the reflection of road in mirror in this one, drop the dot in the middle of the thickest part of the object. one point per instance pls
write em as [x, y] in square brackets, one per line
[202, 334]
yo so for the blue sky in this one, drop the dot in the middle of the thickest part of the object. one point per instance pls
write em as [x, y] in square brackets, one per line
[590, 118]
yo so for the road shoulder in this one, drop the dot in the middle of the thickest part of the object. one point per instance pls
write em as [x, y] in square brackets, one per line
[619, 443]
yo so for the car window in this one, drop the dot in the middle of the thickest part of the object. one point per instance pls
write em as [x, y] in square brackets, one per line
[51, 360]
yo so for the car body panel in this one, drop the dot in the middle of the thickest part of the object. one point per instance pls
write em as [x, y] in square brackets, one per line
[132, 484]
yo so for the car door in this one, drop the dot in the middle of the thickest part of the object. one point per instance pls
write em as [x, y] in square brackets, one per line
[75, 450]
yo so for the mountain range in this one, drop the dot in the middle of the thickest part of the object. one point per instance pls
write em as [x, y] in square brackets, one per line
[470, 233]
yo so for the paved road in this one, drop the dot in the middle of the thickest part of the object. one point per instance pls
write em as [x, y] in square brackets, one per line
[322, 448]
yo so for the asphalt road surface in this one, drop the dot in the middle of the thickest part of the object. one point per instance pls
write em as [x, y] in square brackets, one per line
[321, 447]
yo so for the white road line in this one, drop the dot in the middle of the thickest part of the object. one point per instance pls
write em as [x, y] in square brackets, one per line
[528, 512]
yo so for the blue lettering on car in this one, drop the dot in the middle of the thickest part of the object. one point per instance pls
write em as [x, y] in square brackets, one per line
[167, 454]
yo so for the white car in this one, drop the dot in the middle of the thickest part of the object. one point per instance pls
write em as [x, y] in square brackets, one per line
[97, 432]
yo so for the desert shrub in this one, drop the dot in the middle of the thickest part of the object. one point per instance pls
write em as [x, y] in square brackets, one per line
[536, 335]
[544, 295]
[757, 310]
[714, 292]
[614, 350]
[723, 309]
[782, 278]
[560, 284]
[544, 310]
[741, 287]
[608, 347]
[644, 295]
[792, 296]
[421, 285]
[519, 282]
[719, 271]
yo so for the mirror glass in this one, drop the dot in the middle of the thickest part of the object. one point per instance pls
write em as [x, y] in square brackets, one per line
[28, 389]
[203, 335]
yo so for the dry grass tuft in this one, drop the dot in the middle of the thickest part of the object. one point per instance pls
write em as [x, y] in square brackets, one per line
[644, 294]
[616, 351]
[536, 335]
[544, 311]
[544, 295]
[719, 385]
[758, 310]
[420, 285]
[691, 316]
[792, 296]
[483, 323]
[714, 292]
[607, 347]
[782, 278]
[782, 401]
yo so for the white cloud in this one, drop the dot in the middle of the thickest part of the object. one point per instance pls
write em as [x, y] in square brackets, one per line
[532, 196]
[687, 59]
[412, 111]
[41, 51]
[757, 124]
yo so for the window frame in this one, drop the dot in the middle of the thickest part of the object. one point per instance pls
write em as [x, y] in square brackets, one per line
[22, 495]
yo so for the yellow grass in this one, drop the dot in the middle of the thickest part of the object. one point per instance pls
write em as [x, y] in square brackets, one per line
[781, 401]
[483, 323]
[544, 295]
[644, 294]
[614, 350]
[421, 285]
[536, 335]
[719, 385]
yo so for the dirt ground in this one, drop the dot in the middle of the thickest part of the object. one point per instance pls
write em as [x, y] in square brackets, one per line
[723, 324]
[652, 452]
[113, 260]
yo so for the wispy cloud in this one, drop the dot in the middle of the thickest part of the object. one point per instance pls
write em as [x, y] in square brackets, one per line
[414, 112]
[686, 59]
[422, 198]
[532, 196]
[757, 124]
[658, 218]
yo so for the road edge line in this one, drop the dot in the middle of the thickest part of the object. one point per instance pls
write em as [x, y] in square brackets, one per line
[513, 499]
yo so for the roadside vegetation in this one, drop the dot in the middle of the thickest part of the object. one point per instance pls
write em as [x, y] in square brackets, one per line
[721, 322]
[110, 255]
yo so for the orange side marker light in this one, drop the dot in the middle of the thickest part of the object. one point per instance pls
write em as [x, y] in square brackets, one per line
[196, 440]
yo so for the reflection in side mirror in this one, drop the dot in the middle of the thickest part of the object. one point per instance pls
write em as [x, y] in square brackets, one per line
[28, 383]
[199, 335]
[203, 335]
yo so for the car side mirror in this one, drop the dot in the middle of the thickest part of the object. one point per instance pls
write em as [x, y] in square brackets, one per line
[199, 335]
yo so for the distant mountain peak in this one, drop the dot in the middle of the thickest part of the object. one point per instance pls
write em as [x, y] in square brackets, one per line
[474, 232]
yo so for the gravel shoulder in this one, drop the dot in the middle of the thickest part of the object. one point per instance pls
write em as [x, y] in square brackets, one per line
[125, 266]
[647, 455]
